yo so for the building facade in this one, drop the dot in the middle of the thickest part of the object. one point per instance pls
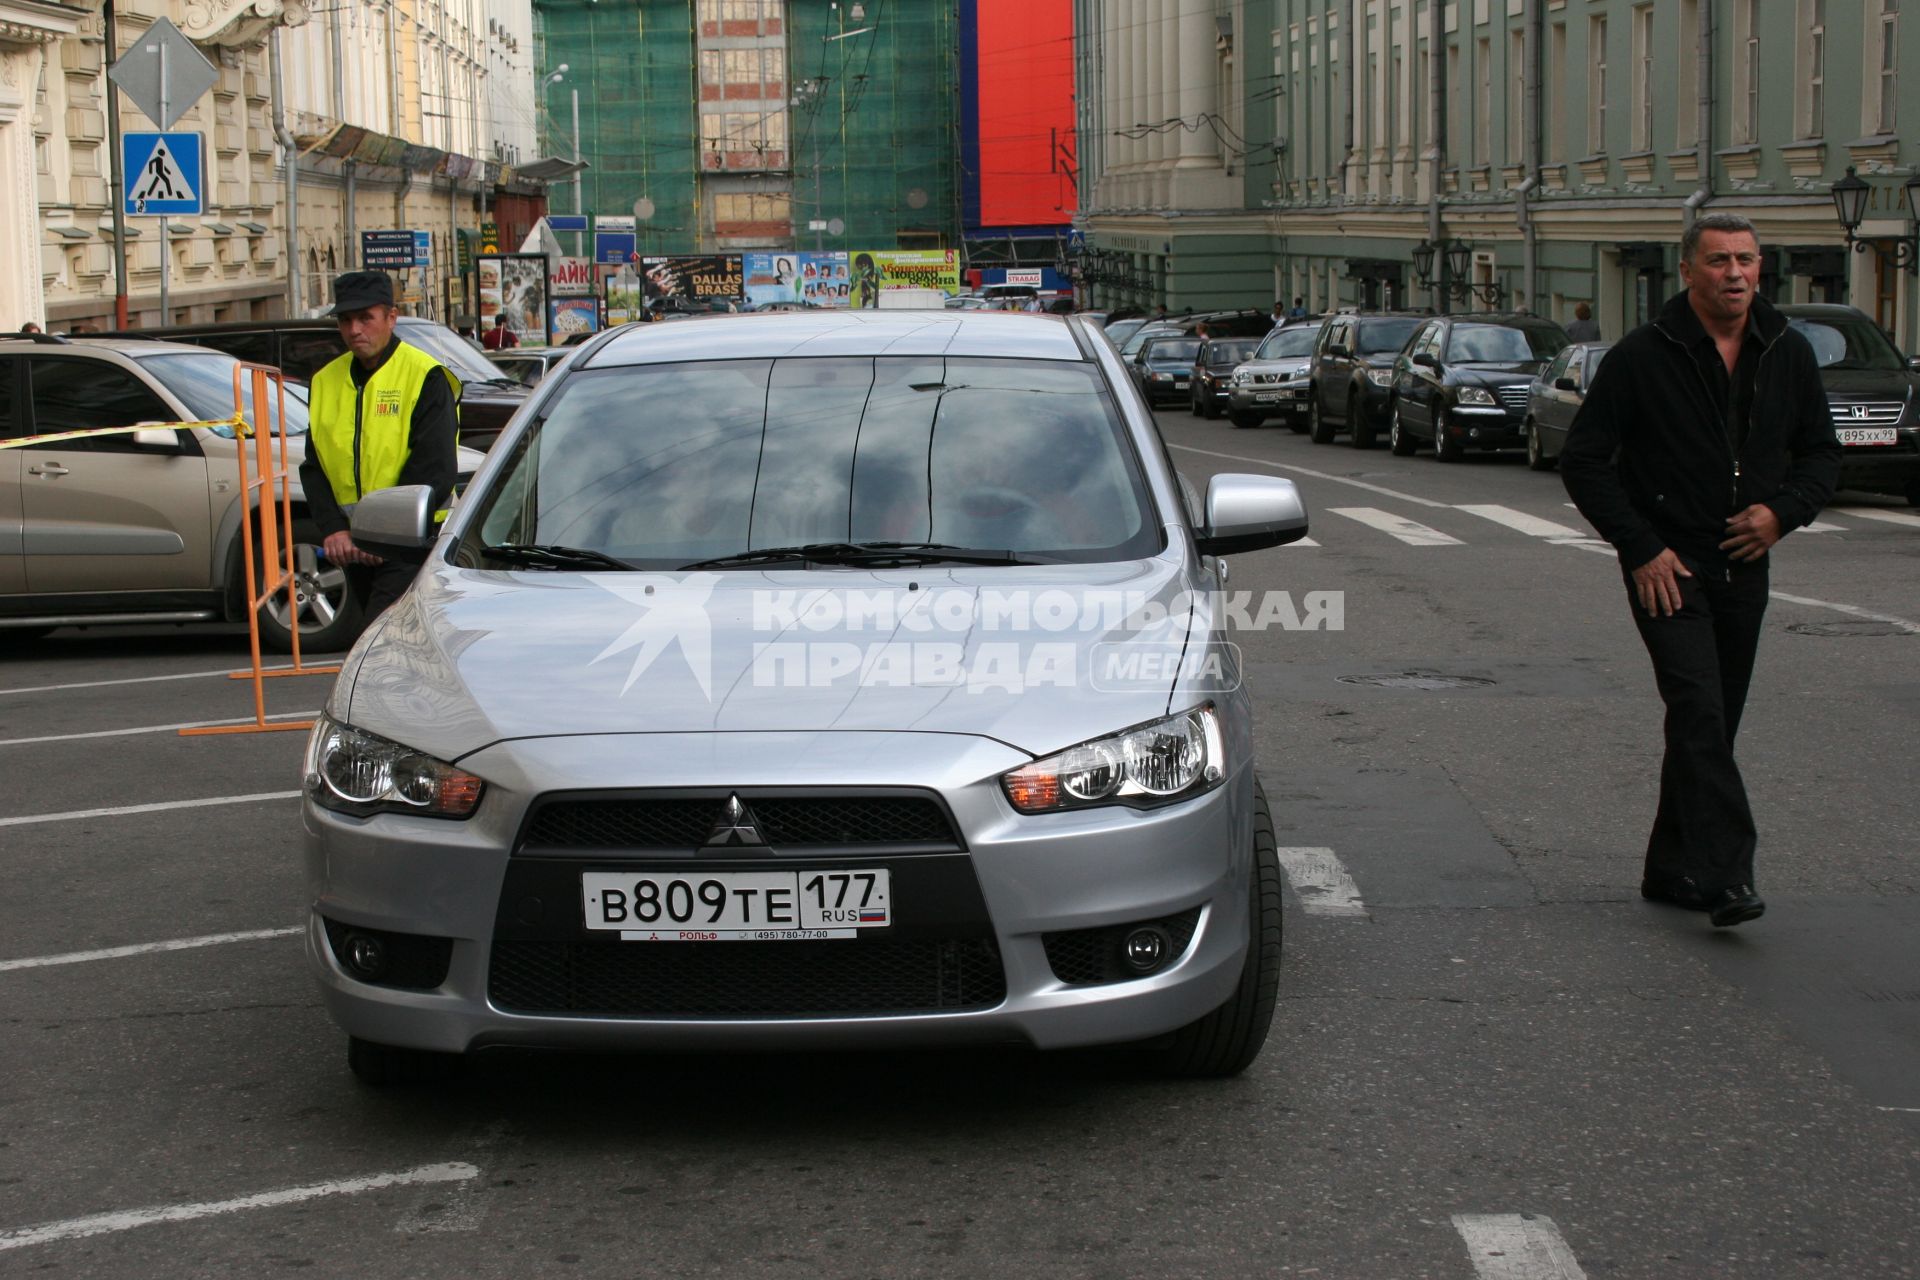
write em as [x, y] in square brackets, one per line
[1561, 145]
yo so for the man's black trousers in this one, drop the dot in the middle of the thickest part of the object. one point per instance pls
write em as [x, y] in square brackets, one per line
[1702, 662]
[375, 586]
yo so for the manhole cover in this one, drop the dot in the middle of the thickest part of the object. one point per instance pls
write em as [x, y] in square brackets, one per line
[1417, 680]
[1864, 628]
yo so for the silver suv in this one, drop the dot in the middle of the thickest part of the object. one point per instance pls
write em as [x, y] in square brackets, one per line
[821, 678]
[142, 527]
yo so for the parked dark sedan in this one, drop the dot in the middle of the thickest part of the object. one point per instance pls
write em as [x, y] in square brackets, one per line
[1163, 368]
[1874, 395]
[1213, 366]
[1555, 396]
[1463, 381]
[1351, 375]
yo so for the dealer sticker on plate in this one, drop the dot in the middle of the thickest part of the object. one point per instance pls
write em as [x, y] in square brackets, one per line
[736, 906]
[1866, 435]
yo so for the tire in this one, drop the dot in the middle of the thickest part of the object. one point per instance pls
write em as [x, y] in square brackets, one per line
[1241, 418]
[1226, 1041]
[1399, 441]
[1360, 433]
[1537, 457]
[330, 621]
[1913, 493]
[1210, 409]
[1318, 429]
[1445, 448]
[384, 1065]
[1193, 405]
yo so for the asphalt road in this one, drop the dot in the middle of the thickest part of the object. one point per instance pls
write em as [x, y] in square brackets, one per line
[1490, 1058]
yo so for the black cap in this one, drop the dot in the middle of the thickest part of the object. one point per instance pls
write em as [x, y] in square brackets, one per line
[357, 290]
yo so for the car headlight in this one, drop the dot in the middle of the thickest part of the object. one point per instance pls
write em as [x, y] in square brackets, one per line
[1474, 395]
[1381, 377]
[352, 771]
[1150, 764]
[1162, 377]
[1241, 377]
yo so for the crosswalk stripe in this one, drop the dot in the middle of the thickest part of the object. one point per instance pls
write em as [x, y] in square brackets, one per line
[1875, 513]
[1516, 1246]
[1408, 531]
[1532, 526]
[1321, 881]
[1304, 542]
[1819, 527]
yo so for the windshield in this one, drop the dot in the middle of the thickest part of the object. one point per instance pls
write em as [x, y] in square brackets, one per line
[1180, 349]
[446, 346]
[1120, 330]
[1289, 342]
[1848, 342]
[204, 382]
[665, 465]
[1222, 352]
[1138, 338]
[1498, 344]
[1379, 337]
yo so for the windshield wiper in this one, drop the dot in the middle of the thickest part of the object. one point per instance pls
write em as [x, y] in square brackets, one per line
[864, 553]
[549, 555]
[495, 382]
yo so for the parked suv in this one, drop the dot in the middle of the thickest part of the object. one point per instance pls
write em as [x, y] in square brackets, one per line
[143, 527]
[299, 348]
[1874, 394]
[1351, 374]
[1274, 381]
[700, 827]
[1464, 382]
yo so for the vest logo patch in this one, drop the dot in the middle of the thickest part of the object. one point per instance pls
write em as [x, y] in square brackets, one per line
[386, 404]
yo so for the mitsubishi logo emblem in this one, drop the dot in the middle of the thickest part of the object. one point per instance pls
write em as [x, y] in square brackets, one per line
[735, 827]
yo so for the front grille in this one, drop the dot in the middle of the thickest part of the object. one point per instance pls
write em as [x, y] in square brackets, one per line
[746, 979]
[1513, 396]
[1082, 957]
[414, 960]
[1874, 413]
[784, 821]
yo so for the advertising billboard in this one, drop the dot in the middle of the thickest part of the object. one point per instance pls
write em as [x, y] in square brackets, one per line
[694, 275]
[1016, 113]
[826, 278]
[515, 283]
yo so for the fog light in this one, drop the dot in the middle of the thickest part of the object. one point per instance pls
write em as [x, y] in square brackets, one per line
[1146, 948]
[365, 956]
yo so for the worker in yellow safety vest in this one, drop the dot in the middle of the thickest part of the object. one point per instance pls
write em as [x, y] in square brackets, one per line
[383, 414]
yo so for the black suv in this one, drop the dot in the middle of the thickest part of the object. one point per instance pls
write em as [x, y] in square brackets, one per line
[298, 348]
[1874, 394]
[1351, 374]
[1464, 381]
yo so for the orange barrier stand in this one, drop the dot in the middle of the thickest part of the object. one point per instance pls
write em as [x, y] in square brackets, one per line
[275, 521]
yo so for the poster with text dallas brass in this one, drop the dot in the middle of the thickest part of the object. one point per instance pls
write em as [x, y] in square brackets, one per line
[694, 275]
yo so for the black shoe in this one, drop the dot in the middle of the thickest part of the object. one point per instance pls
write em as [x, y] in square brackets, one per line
[1675, 891]
[1734, 906]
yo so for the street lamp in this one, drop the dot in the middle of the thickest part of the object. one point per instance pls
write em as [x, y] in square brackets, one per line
[1459, 261]
[559, 73]
[1850, 204]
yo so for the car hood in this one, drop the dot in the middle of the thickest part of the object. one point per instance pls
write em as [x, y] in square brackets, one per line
[1288, 366]
[1494, 375]
[1868, 384]
[471, 657]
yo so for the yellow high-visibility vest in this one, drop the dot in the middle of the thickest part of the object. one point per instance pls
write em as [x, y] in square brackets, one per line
[362, 435]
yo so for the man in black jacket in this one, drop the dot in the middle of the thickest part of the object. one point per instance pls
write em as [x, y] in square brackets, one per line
[1704, 439]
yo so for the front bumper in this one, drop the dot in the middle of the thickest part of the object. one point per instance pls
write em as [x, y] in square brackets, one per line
[1888, 468]
[1035, 876]
[1487, 426]
[1268, 398]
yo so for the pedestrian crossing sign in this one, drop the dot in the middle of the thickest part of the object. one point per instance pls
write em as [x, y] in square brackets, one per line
[163, 173]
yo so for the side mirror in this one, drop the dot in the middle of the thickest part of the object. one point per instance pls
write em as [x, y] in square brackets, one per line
[1426, 360]
[1338, 349]
[159, 439]
[1913, 363]
[1564, 383]
[1246, 513]
[399, 519]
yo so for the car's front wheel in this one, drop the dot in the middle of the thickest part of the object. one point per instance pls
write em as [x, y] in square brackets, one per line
[1399, 443]
[1318, 428]
[382, 1065]
[1536, 452]
[1445, 447]
[1210, 408]
[1226, 1041]
[1242, 418]
[1360, 431]
[330, 620]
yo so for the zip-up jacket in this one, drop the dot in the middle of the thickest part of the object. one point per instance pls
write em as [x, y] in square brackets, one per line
[394, 424]
[1651, 460]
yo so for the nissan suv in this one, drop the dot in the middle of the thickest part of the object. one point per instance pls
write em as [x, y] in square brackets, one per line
[1274, 382]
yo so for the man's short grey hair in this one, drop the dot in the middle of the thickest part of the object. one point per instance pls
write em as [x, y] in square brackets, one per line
[1726, 222]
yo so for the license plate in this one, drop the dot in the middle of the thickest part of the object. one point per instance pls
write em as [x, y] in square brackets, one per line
[1867, 435]
[735, 906]
[1267, 398]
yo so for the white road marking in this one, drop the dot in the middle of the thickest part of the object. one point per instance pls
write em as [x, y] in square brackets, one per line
[152, 728]
[1912, 628]
[1532, 526]
[101, 684]
[1321, 881]
[1875, 513]
[1821, 527]
[1317, 475]
[1303, 542]
[124, 810]
[1516, 1246]
[455, 1208]
[144, 948]
[1408, 531]
[126, 1220]
[1912, 1109]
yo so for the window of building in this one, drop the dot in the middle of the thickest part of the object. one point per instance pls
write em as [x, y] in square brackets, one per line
[1556, 88]
[1889, 34]
[1483, 102]
[756, 206]
[711, 66]
[1746, 94]
[1597, 87]
[1517, 78]
[1686, 116]
[1456, 89]
[1812, 81]
[1643, 78]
